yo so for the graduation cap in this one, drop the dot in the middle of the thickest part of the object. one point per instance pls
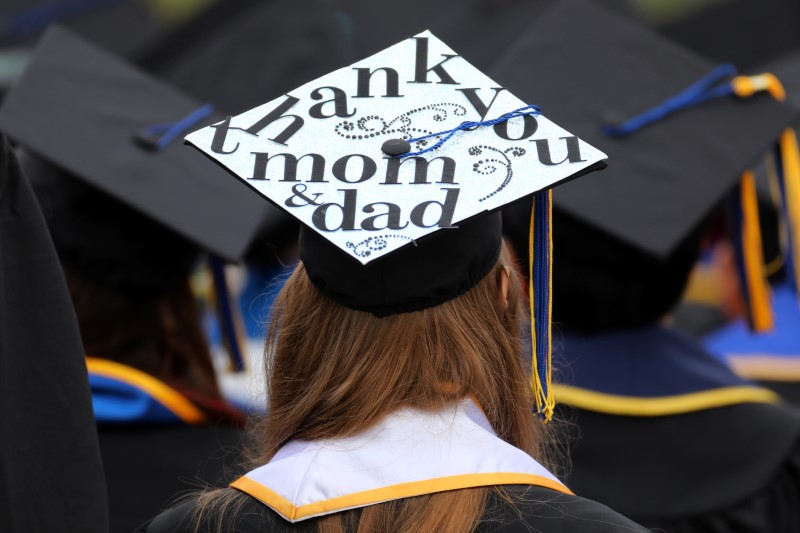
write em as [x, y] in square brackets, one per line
[108, 124]
[680, 131]
[396, 166]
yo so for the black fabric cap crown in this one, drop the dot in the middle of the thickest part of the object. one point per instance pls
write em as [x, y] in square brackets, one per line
[436, 269]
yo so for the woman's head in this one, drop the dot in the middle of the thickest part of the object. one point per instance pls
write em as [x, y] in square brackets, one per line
[336, 371]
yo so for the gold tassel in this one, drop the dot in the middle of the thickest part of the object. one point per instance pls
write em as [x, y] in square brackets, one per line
[759, 296]
[790, 157]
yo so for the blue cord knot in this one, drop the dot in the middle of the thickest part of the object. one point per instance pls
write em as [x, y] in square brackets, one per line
[521, 112]
[706, 88]
[159, 136]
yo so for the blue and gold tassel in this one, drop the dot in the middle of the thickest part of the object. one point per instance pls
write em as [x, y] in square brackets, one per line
[540, 261]
[787, 166]
[750, 256]
[789, 180]
[228, 313]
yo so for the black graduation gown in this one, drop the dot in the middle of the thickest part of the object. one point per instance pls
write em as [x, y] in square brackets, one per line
[148, 467]
[538, 509]
[725, 468]
[155, 442]
[51, 478]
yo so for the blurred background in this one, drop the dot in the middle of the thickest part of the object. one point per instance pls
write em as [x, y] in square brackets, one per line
[237, 54]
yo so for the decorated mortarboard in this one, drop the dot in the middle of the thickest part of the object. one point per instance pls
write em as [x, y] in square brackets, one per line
[392, 165]
[93, 115]
[682, 132]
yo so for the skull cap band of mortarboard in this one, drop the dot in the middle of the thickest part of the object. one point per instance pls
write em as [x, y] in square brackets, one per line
[666, 178]
[82, 110]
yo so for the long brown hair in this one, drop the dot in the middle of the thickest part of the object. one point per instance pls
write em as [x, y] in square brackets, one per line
[334, 372]
[159, 334]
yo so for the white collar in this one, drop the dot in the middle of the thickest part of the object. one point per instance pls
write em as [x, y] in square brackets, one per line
[409, 453]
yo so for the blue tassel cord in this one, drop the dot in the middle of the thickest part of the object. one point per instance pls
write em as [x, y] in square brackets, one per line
[706, 88]
[540, 294]
[159, 136]
[228, 318]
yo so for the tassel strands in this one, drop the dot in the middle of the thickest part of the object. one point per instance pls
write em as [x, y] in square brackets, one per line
[790, 200]
[787, 164]
[540, 246]
[230, 327]
[750, 257]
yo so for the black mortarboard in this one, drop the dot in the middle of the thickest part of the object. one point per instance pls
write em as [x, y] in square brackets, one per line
[85, 111]
[590, 69]
[386, 234]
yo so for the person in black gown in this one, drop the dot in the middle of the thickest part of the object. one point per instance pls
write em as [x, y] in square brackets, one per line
[690, 445]
[397, 395]
[48, 440]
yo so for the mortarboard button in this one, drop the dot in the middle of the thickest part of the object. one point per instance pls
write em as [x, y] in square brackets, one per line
[396, 147]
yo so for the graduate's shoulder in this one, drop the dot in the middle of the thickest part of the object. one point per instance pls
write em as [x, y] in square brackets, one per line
[240, 514]
[530, 508]
[520, 508]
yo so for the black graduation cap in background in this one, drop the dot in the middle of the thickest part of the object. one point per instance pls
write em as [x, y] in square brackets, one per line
[82, 109]
[588, 68]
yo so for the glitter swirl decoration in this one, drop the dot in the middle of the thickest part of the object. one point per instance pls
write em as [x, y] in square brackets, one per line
[372, 126]
[373, 244]
[489, 164]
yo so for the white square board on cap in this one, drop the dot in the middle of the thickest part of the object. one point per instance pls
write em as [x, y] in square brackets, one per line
[316, 151]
